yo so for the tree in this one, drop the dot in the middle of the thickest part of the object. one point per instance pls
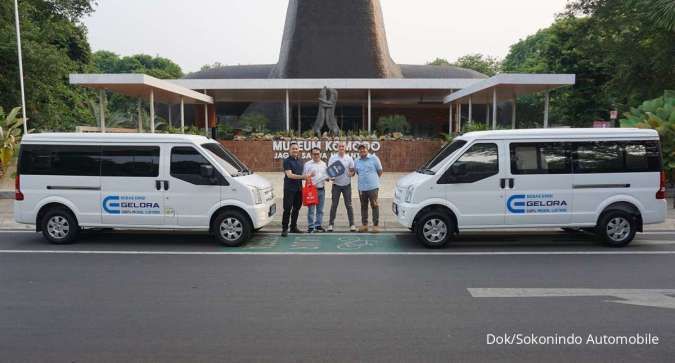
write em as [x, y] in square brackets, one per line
[54, 44]
[480, 63]
[477, 62]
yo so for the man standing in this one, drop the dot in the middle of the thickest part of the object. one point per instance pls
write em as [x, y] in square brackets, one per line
[292, 190]
[317, 168]
[369, 170]
[342, 185]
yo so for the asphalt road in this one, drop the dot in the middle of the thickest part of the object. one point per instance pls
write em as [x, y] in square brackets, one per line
[181, 297]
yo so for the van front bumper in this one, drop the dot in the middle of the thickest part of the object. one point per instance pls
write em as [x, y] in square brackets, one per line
[264, 213]
[405, 213]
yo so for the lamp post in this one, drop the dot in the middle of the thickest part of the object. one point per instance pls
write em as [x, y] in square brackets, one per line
[18, 46]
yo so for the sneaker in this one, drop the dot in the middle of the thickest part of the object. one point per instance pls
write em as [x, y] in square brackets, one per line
[310, 230]
[363, 229]
[375, 229]
[352, 228]
[319, 229]
[330, 228]
[284, 233]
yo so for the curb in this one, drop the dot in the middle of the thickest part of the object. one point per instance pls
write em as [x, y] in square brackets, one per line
[6, 194]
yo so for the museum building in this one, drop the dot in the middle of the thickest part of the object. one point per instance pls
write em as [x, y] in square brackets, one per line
[341, 45]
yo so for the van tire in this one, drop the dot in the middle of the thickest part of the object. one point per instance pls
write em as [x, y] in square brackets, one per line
[617, 228]
[59, 226]
[232, 228]
[438, 238]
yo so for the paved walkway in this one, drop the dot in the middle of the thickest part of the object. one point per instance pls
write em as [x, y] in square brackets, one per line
[387, 219]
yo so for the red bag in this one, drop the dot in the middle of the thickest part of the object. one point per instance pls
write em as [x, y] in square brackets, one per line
[310, 195]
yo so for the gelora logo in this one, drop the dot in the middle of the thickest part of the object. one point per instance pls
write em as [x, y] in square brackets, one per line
[111, 204]
[516, 204]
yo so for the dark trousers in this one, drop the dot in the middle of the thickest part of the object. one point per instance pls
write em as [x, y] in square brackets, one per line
[292, 205]
[346, 192]
[370, 197]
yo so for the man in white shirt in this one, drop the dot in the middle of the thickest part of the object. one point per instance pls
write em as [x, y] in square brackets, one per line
[317, 168]
[342, 185]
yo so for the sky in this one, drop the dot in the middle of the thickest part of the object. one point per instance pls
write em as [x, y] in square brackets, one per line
[197, 32]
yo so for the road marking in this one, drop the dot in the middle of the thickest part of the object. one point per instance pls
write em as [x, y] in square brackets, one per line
[262, 253]
[660, 298]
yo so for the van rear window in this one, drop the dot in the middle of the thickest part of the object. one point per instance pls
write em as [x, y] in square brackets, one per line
[59, 160]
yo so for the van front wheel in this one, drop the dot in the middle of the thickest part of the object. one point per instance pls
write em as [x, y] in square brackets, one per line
[232, 228]
[617, 228]
[59, 226]
[434, 230]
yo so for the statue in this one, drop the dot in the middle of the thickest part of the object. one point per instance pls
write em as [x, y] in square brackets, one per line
[327, 101]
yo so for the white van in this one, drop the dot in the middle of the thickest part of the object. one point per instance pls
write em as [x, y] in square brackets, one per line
[607, 180]
[66, 182]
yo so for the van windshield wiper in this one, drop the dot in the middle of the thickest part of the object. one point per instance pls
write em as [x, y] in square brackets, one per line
[426, 171]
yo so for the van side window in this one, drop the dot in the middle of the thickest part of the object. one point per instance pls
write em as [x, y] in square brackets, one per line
[130, 161]
[186, 163]
[598, 157]
[539, 158]
[479, 162]
[62, 160]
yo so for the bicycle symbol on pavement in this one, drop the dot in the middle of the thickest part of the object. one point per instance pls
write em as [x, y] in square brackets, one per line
[352, 243]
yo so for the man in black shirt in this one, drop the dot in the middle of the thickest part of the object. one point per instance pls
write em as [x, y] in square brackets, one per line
[292, 190]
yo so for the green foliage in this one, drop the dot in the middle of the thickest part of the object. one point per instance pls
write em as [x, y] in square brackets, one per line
[618, 53]
[54, 44]
[10, 135]
[477, 62]
[158, 67]
[393, 123]
[474, 126]
[663, 108]
[225, 131]
[447, 138]
[254, 122]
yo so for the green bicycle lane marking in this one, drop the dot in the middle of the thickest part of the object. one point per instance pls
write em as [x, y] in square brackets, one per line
[331, 243]
[404, 242]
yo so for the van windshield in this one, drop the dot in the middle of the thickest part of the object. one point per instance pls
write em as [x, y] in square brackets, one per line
[444, 153]
[227, 160]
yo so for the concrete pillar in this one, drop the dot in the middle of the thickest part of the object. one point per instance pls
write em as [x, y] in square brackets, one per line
[206, 120]
[494, 108]
[101, 109]
[470, 110]
[513, 112]
[182, 115]
[288, 111]
[450, 119]
[152, 111]
[140, 117]
[546, 105]
[370, 111]
[170, 121]
[459, 116]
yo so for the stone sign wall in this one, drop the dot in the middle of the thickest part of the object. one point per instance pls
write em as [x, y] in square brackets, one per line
[396, 156]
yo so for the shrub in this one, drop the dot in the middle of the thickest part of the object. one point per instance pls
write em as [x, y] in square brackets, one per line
[254, 122]
[393, 123]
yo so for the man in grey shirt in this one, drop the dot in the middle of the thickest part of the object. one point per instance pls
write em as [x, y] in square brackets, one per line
[342, 185]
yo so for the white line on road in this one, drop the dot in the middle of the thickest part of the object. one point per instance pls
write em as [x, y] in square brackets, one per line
[643, 297]
[290, 253]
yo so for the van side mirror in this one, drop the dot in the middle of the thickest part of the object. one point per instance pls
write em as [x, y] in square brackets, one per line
[207, 171]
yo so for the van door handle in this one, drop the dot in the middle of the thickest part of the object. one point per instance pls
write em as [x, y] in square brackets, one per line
[502, 183]
[512, 183]
[166, 185]
[158, 184]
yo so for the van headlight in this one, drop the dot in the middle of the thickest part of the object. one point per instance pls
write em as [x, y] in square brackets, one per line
[257, 195]
[409, 194]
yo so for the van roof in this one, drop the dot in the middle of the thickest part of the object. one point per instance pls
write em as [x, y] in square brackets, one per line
[563, 133]
[112, 138]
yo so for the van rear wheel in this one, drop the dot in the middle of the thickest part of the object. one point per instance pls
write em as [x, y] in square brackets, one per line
[617, 228]
[232, 228]
[59, 226]
[434, 230]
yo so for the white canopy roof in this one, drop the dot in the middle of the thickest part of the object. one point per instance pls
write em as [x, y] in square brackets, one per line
[510, 85]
